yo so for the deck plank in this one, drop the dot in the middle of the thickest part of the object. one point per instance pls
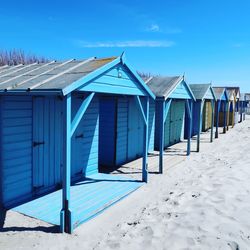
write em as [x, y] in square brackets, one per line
[88, 198]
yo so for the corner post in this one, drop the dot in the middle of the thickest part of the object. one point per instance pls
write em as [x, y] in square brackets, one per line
[145, 151]
[189, 109]
[228, 114]
[212, 126]
[161, 134]
[224, 117]
[199, 124]
[217, 118]
[66, 214]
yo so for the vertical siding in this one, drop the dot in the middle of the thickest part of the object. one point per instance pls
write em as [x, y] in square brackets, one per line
[85, 139]
[122, 130]
[16, 136]
[47, 157]
[151, 127]
[157, 125]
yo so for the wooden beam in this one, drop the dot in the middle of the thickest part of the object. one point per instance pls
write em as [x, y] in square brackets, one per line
[217, 118]
[189, 109]
[224, 117]
[212, 126]
[145, 149]
[163, 112]
[60, 74]
[81, 112]
[66, 224]
[199, 124]
[139, 104]
[161, 133]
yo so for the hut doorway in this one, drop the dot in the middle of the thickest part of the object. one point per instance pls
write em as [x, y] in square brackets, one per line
[46, 143]
[174, 125]
[107, 132]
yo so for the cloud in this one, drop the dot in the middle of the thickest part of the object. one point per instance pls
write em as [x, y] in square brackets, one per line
[125, 44]
[165, 30]
[154, 28]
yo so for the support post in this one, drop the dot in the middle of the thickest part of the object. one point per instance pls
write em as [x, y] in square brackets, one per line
[199, 124]
[224, 117]
[145, 151]
[164, 108]
[217, 114]
[212, 126]
[189, 109]
[161, 133]
[66, 214]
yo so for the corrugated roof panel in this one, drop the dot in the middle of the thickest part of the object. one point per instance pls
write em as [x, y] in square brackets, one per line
[199, 90]
[76, 74]
[218, 91]
[162, 86]
[54, 76]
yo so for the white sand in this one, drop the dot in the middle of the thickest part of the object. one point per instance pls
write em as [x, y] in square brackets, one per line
[201, 202]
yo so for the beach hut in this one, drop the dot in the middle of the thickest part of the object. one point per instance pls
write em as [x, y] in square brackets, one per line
[242, 107]
[231, 107]
[203, 110]
[55, 128]
[236, 103]
[220, 109]
[174, 100]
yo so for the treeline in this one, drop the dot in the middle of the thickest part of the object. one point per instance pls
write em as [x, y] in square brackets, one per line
[18, 56]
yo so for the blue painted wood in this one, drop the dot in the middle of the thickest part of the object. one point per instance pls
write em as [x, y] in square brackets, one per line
[66, 224]
[199, 124]
[145, 149]
[181, 92]
[151, 125]
[107, 131]
[135, 131]
[88, 198]
[217, 114]
[139, 105]
[161, 110]
[189, 107]
[82, 109]
[15, 149]
[85, 139]
[122, 131]
[212, 126]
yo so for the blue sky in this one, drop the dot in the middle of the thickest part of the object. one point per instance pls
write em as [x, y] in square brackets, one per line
[208, 40]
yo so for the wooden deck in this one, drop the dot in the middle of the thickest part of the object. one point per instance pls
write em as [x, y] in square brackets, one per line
[100, 191]
[88, 198]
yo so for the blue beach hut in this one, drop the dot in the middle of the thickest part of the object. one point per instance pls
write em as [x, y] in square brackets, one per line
[205, 97]
[174, 100]
[59, 121]
[220, 109]
[242, 107]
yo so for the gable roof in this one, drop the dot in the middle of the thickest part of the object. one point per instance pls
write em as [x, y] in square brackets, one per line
[231, 94]
[163, 86]
[236, 90]
[200, 90]
[63, 77]
[219, 92]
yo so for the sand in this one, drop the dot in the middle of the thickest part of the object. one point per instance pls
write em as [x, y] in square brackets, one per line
[200, 202]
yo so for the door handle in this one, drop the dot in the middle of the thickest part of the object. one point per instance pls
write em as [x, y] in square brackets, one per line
[79, 136]
[36, 143]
